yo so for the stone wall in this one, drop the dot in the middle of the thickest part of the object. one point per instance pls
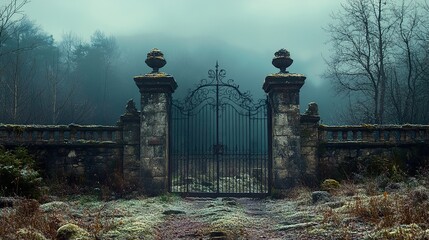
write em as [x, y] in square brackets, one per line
[353, 161]
[341, 152]
[86, 165]
[86, 155]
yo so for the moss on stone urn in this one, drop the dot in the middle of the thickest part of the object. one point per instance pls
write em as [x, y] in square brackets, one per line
[282, 60]
[155, 60]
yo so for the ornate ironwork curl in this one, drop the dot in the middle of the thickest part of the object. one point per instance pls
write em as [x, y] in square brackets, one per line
[217, 92]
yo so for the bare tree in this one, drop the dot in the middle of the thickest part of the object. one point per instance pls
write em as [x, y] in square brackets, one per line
[68, 105]
[21, 72]
[377, 58]
[408, 67]
[10, 14]
[361, 35]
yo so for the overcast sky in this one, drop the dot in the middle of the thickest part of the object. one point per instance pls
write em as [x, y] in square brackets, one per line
[259, 27]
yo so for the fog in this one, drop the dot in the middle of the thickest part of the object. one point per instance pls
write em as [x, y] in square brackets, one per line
[189, 61]
[241, 35]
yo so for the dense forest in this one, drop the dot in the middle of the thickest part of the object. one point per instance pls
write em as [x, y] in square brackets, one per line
[44, 81]
[377, 64]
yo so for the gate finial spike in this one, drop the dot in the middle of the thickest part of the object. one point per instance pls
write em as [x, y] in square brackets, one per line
[217, 64]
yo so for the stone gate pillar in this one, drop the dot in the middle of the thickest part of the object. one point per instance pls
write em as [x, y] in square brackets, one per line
[156, 89]
[283, 96]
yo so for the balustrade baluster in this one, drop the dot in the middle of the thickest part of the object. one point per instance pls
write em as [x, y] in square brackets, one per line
[402, 136]
[422, 136]
[382, 135]
[390, 135]
[109, 136]
[344, 136]
[29, 136]
[73, 135]
[365, 135]
[335, 136]
[39, 135]
[61, 136]
[51, 135]
[354, 135]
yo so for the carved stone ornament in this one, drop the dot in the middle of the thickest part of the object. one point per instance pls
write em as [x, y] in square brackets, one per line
[155, 60]
[282, 60]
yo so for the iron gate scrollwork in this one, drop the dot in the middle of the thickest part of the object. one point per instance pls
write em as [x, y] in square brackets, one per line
[219, 141]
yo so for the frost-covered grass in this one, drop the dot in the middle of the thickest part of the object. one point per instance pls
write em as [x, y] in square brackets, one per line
[354, 212]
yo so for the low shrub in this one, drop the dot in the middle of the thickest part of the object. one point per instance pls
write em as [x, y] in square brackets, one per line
[330, 185]
[18, 174]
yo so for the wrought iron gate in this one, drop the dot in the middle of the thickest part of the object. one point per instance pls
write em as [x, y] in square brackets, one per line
[219, 141]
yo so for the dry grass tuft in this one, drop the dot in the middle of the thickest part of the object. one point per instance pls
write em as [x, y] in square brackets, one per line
[392, 210]
[26, 219]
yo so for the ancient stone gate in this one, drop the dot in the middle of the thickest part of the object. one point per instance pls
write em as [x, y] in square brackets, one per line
[243, 147]
[219, 141]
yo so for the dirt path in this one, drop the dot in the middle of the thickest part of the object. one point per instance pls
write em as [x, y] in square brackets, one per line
[241, 218]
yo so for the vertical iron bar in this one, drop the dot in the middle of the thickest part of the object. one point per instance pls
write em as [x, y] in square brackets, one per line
[188, 145]
[269, 136]
[236, 155]
[249, 170]
[230, 157]
[233, 156]
[204, 140]
[217, 124]
[170, 150]
[261, 148]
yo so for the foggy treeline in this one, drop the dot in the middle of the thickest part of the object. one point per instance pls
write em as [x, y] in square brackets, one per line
[49, 82]
[380, 60]
[378, 63]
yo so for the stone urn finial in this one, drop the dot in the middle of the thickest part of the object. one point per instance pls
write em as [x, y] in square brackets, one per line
[155, 60]
[282, 60]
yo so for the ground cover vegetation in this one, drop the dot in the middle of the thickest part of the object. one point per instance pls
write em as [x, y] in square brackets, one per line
[374, 204]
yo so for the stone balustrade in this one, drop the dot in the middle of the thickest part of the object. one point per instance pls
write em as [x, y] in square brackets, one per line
[374, 134]
[59, 134]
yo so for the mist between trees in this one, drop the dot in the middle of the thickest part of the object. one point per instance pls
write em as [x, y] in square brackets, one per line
[42, 81]
[378, 62]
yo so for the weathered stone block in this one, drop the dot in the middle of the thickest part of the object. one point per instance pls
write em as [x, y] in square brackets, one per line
[282, 179]
[282, 130]
[152, 98]
[308, 150]
[131, 150]
[156, 185]
[130, 163]
[279, 163]
[159, 167]
[153, 128]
